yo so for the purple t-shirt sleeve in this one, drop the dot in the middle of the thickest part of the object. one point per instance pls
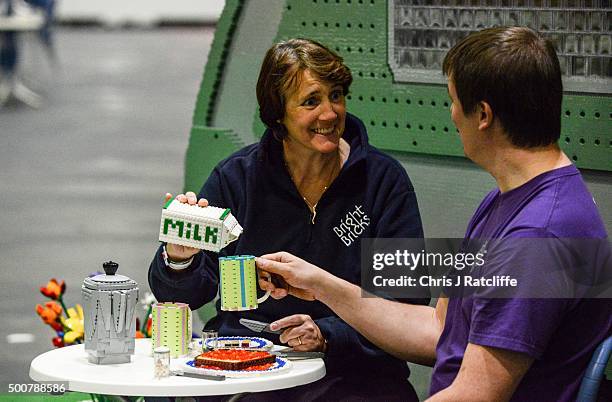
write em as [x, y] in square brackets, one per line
[523, 323]
[519, 325]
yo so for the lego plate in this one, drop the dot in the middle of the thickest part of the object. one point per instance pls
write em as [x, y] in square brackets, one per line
[254, 343]
[279, 365]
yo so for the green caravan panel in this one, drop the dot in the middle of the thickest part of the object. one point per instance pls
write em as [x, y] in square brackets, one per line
[216, 62]
[227, 93]
[207, 146]
[414, 117]
[236, 102]
[586, 130]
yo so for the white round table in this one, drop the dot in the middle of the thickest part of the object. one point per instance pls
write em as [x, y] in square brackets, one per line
[136, 378]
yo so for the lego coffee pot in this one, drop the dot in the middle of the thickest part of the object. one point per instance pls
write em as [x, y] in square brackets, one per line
[109, 301]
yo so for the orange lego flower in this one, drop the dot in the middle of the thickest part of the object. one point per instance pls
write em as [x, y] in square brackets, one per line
[50, 314]
[149, 331]
[54, 289]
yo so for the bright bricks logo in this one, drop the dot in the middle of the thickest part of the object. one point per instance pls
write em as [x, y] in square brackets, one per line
[352, 225]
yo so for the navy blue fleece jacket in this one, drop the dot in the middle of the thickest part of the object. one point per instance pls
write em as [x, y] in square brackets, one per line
[371, 197]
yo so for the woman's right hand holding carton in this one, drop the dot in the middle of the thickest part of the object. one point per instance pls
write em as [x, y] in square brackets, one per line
[176, 252]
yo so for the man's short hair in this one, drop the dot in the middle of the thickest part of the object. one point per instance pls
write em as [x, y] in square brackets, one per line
[281, 72]
[517, 73]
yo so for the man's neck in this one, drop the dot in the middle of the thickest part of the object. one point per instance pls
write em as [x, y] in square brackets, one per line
[511, 167]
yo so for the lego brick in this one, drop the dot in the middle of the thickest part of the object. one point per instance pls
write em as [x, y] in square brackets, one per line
[171, 323]
[209, 228]
[238, 284]
[110, 324]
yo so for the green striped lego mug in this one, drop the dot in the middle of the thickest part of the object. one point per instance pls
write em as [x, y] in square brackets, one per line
[238, 283]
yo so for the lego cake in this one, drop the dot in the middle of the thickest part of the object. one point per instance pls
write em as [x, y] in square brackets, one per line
[234, 359]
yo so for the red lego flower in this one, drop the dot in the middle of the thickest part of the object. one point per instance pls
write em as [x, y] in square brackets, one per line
[58, 342]
[54, 290]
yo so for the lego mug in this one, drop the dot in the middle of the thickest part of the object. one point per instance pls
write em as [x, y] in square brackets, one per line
[238, 283]
[171, 327]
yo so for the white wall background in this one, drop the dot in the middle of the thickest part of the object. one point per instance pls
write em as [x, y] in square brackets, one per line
[145, 12]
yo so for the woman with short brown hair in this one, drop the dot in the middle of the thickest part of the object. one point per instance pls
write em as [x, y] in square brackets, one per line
[312, 185]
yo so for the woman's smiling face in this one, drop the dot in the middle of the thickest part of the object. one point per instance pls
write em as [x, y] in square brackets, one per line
[315, 114]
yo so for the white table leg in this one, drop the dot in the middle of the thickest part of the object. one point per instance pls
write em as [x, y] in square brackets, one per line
[6, 88]
[11, 85]
[26, 95]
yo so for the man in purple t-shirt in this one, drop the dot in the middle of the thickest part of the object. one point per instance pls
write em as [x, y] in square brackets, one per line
[556, 337]
[506, 92]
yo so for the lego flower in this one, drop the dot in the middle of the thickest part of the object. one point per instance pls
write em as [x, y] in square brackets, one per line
[149, 329]
[54, 289]
[58, 342]
[74, 328]
[69, 329]
[147, 301]
[147, 304]
[50, 314]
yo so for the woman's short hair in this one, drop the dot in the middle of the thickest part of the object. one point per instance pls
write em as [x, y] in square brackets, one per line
[517, 73]
[281, 71]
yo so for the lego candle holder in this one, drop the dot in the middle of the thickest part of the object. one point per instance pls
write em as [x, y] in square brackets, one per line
[238, 283]
[206, 228]
[171, 327]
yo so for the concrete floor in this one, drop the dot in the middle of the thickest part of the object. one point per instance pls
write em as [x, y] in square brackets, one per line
[82, 178]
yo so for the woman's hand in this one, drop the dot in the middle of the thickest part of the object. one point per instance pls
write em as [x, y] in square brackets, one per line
[301, 333]
[176, 252]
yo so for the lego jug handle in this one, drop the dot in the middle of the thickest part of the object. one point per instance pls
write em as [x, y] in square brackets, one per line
[265, 297]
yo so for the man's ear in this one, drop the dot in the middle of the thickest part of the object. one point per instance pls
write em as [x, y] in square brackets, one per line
[486, 116]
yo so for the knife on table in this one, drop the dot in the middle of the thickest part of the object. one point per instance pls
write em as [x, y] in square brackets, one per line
[213, 377]
[257, 326]
[297, 355]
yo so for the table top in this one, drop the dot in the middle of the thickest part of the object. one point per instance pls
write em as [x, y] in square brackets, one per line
[136, 378]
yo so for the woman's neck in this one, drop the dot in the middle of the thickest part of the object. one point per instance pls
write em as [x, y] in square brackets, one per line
[307, 165]
[312, 172]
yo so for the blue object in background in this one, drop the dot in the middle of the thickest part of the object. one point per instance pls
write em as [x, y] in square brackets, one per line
[589, 388]
[8, 44]
[8, 40]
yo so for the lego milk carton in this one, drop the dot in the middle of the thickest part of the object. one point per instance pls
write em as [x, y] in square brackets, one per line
[207, 228]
